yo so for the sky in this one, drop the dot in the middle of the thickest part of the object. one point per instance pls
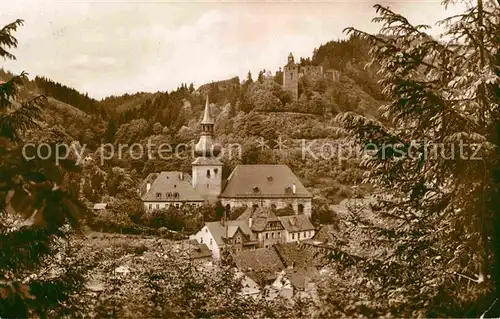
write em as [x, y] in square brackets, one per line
[106, 47]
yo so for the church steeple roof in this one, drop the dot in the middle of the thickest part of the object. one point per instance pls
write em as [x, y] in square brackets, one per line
[207, 116]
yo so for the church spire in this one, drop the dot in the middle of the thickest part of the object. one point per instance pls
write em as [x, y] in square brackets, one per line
[205, 147]
[207, 116]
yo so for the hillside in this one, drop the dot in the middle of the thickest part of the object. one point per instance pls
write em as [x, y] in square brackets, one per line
[245, 111]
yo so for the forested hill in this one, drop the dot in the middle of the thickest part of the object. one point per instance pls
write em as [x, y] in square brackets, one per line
[245, 109]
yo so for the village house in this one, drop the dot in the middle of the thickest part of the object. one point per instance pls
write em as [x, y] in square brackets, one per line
[256, 227]
[170, 189]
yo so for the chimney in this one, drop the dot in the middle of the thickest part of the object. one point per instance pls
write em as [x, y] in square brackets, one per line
[294, 188]
[250, 222]
[148, 187]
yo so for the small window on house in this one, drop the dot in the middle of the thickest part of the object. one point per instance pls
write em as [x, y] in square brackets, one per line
[208, 173]
[176, 195]
[175, 186]
[168, 194]
[279, 234]
[293, 236]
[150, 206]
[267, 236]
[210, 241]
[272, 235]
[288, 190]
[269, 178]
[298, 235]
[208, 185]
[158, 195]
[273, 207]
[256, 189]
[157, 206]
[206, 230]
[201, 240]
[300, 208]
[216, 171]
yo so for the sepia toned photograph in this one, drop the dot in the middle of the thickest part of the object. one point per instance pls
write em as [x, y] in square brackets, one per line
[249, 159]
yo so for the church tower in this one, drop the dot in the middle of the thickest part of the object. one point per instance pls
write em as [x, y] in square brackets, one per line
[291, 77]
[207, 169]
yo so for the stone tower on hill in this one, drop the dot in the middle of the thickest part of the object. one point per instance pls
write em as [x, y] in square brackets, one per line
[291, 77]
[293, 72]
[206, 168]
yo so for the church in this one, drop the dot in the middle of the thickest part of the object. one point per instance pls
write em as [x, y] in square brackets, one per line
[257, 186]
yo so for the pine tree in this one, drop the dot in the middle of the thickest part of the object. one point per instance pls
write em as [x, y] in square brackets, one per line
[36, 204]
[436, 152]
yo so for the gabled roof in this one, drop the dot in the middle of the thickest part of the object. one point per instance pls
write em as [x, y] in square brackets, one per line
[296, 223]
[329, 234]
[297, 255]
[171, 182]
[258, 264]
[260, 217]
[218, 231]
[199, 251]
[264, 181]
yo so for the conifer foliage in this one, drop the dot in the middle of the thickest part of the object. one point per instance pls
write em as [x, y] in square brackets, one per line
[436, 159]
[34, 207]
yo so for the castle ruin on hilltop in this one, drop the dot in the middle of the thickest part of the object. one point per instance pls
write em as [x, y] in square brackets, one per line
[293, 71]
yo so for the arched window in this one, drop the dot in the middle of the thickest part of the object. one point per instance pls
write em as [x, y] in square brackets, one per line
[208, 173]
[300, 208]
